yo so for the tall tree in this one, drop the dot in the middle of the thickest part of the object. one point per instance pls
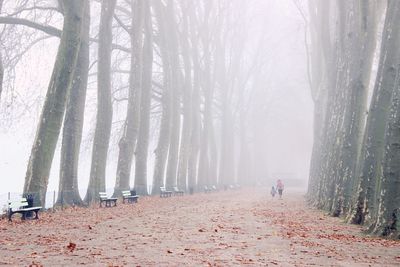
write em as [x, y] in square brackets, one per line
[1, 60]
[185, 146]
[162, 148]
[68, 192]
[363, 30]
[104, 105]
[176, 87]
[37, 175]
[371, 159]
[132, 121]
[196, 101]
[142, 147]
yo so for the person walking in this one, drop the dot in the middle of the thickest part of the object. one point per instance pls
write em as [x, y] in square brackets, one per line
[273, 191]
[280, 187]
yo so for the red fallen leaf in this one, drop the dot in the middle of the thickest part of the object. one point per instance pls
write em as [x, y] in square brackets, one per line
[34, 264]
[71, 246]
[169, 251]
[201, 230]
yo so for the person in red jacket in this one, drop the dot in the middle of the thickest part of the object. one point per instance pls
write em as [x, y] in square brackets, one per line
[280, 187]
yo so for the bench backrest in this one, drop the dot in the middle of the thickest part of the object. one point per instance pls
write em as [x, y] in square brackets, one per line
[103, 195]
[14, 205]
[176, 189]
[126, 193]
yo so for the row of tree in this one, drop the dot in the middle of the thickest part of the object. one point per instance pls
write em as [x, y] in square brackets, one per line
[185, 67]
[356, 154]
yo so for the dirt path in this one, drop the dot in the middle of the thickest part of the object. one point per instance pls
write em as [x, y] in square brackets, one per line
[219, 229]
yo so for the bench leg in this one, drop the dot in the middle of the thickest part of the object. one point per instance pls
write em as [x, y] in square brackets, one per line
[36, 215]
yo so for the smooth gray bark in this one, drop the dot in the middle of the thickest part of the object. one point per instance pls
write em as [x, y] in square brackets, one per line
[68, 192]
[38, 171]
[104, 104]
[142, 147]
[165, 127]
[176, 87]
[131, 129]
[185, 146]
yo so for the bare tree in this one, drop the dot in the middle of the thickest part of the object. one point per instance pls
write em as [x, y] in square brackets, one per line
[39, 165]
[145, 103]
[104, 105]
[73, 121]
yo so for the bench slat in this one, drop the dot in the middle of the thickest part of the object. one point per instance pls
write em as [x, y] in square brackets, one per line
[30, 209]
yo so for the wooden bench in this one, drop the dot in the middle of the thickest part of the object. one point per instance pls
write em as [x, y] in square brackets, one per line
[20, 207]
[126, 195]
[107, 200]
[164, 192]
[178, 192]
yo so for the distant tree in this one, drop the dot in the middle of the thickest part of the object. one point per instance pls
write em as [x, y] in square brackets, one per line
[132, 121]
[185, 146]
[142, 147]
[161, 151]
[176, 87]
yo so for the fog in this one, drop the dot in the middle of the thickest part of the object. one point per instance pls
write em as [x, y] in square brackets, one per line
[276, 96]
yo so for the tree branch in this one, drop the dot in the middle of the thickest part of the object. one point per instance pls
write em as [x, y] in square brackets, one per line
[31, 24]
[49, 29]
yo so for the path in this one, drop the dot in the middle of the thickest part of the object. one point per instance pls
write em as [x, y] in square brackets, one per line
[219, 229]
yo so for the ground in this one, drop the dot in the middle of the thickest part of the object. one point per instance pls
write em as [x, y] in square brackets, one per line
[243, 227]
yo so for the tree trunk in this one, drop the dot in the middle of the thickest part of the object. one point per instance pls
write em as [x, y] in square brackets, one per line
[1, 75]
[176, 84]
[193, 163]
[362, 29]
[104, 104]
[184, 153]
[1, 60]
[37, 175]
[144, 128]
[374, 138]
[387, 222]
[73, 122]
[165, 127]
[128, 140]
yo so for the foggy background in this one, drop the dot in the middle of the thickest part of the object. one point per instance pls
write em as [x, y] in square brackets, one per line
[284, 95]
